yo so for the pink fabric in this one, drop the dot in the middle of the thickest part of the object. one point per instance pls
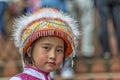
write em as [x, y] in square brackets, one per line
[35, 69]
[38, 71]
[24, 76]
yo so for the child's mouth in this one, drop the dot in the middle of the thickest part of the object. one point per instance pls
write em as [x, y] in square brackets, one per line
[51, 63]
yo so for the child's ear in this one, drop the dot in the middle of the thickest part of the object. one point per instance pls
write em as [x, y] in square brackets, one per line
[29, 52]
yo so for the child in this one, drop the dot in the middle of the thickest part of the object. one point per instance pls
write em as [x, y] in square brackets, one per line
[45, 39]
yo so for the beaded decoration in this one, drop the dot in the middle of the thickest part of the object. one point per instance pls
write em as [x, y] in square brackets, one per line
[46, 22]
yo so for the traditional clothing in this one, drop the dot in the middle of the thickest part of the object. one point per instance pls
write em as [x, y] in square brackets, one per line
[44, 22]
[31, 73]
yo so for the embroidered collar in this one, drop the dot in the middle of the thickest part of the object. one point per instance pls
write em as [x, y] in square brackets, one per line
[36, 73]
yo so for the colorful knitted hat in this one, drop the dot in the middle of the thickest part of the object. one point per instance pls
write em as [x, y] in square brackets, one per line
[45, 22]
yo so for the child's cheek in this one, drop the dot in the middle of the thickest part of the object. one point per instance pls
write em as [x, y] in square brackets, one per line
[60, 59]
[42, 57]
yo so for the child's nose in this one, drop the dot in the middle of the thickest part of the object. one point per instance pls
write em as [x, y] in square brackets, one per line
[52, 55]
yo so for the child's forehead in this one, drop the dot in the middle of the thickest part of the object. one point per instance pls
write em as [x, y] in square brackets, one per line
[50, 40]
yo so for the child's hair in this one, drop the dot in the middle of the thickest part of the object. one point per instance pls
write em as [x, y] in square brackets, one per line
[42, 23]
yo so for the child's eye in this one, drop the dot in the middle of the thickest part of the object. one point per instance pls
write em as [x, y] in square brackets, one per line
[60, 51]
[46, 48]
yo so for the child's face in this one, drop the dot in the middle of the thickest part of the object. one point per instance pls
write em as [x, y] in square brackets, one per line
[48, 53]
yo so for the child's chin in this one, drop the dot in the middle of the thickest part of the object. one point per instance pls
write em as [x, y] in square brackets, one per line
[52, 69]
